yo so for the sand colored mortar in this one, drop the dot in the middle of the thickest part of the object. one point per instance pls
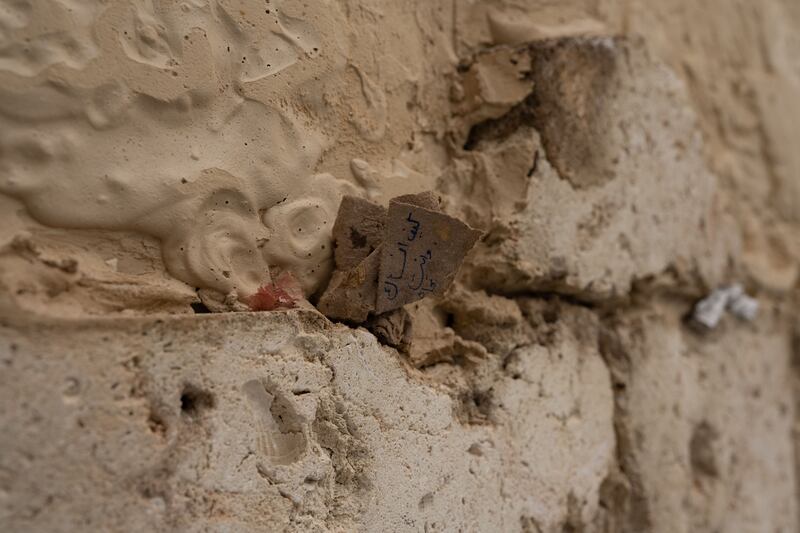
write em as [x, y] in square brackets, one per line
[169, 118]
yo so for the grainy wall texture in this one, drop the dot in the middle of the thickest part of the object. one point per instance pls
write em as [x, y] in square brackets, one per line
[160, 159]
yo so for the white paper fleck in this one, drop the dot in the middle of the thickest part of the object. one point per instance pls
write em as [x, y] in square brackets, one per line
[708, 311]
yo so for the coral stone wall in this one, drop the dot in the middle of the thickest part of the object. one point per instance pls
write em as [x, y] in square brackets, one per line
[623, 159]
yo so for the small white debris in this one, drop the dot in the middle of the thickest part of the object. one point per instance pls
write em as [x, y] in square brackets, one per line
[112, 263]
[744, 307]
[708, 311]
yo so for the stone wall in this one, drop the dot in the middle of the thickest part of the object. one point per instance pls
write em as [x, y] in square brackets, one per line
[622, 158]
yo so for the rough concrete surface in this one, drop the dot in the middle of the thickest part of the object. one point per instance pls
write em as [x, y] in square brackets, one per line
[153, 425]
[623, 160]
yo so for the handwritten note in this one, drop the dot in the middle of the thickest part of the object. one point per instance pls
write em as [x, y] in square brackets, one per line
[422, 251]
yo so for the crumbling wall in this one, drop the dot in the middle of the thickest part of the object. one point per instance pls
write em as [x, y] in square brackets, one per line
[623, 159]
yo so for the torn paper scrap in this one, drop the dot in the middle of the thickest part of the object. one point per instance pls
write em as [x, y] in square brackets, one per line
[351, 294]
[708, 311]
[358, 230]
[744, 307]
[369, 280]
[283, 293]
[422, 252]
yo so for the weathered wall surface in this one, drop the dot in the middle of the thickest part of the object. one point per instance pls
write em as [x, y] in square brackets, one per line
[623, 158]
[264, 422]
[282, 421]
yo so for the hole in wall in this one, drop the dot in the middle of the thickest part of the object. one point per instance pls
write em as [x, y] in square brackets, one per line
[199, 308]
[194, 401]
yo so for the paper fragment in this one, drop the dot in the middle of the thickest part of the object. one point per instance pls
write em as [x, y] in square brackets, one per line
[423, 250]
[744, 307]
[358, 230]
[351, 294]
[708, 311]
[283, 293]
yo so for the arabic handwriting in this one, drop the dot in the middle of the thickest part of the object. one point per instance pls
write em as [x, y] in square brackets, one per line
[390, 289]
[423, 260]
[431, 287]
[412, 233]
[403, 248]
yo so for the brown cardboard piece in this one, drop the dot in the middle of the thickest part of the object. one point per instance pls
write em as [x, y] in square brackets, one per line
[351, 294]
[422, 252]
[427, 249]
[358, 230]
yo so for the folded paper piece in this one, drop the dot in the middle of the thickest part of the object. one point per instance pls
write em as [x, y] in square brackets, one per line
[708, 311]
[351, 294]
[358, 230]
[386, 259]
